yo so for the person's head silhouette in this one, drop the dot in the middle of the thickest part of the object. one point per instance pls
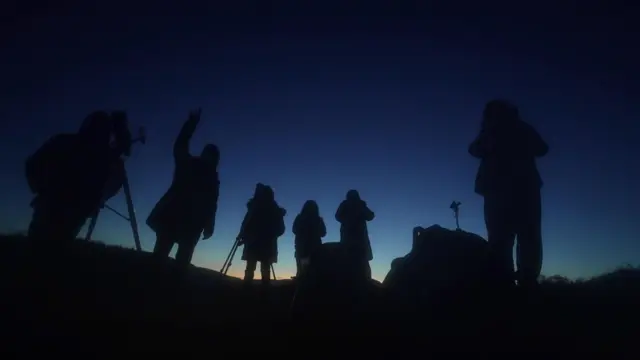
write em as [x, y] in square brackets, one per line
[499, 111]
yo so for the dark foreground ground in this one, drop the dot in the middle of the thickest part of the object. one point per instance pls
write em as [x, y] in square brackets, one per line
[99, 298]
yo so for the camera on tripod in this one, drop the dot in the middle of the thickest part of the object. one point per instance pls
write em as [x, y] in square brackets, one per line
[122, 142]
[122, 139]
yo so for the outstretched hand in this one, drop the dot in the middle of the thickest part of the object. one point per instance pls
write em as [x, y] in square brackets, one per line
[194, 115]
[240, 240]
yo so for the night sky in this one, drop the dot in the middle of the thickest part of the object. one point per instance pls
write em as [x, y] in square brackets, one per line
[316, 103]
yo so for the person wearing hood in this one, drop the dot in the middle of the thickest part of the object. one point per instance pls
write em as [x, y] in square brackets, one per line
[187, 211]
[510, 183]
[309, 229]
[68, 175]
[353, 215]
[261, 227]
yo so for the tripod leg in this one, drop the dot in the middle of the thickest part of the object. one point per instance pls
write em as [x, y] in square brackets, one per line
[92, 225]
[233, 254]
[132, 212]
[224, 264]
[273, 271]
[227, 262]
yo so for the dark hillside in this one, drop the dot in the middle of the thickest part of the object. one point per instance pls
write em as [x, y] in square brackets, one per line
[90, 291]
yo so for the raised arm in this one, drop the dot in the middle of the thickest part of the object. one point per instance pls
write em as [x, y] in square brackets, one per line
[181, 145]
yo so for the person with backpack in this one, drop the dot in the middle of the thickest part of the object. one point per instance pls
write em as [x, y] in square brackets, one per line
[187, 211]
[261, 227]
[309, 229]
[510, 183]
[68, 175]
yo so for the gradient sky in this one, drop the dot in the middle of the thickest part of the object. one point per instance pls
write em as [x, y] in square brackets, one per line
[315, 105]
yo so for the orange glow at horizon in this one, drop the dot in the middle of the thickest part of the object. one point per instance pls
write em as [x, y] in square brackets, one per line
[239, 272]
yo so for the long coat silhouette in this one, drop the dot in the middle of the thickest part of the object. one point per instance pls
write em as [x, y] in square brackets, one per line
[188, 208]
[507, 149]
[353, 215]
[309, 229]
[261, 227]
[510, 183]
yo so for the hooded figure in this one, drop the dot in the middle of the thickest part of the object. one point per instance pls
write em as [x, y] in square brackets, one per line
[261, 227]
[188, 209]
[309, 229]
[68, 175]
[353, 215]
[510, 183]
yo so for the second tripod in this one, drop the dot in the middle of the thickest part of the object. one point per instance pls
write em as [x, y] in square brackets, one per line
[232, 254]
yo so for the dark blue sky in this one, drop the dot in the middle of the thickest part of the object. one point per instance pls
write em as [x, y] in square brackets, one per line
[315, 104]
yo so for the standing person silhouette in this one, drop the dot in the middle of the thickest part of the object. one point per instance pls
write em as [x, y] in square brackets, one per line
[261, 227]
[309, 229]
[68, 175]
[188, 209]
[353, 215]
[510, 183]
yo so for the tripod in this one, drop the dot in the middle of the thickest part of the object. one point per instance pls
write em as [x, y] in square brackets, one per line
[455, 206]
[130, 208]
[227, 263]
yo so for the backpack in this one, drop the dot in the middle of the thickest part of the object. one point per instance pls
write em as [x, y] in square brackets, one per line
[42, 168]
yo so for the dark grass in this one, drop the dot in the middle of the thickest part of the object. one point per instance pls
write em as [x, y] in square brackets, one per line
[97, 297]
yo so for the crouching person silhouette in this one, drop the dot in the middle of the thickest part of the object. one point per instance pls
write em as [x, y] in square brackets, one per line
[309, 229]
[261, 227]
[510, 183]
[353, 215]
[187, 210]
[68, 175]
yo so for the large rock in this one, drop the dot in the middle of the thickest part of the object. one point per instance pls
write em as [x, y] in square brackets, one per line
[444, 267]
[327, 291]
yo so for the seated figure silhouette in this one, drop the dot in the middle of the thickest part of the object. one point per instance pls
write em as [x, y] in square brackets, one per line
[68, 175]
[510, 183]
[261, 227]
[353, 215]
[188, 209]
[309, 229]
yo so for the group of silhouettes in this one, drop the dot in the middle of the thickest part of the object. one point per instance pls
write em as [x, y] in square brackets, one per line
[73, 175]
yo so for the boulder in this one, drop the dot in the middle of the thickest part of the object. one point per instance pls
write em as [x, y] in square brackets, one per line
[327, 290]
[444, 267]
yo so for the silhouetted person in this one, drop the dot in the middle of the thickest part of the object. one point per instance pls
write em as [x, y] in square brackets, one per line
[188, 209]
[68, 175]
[509, 181]
[261, 227]
[353, 215]
[309, 229]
